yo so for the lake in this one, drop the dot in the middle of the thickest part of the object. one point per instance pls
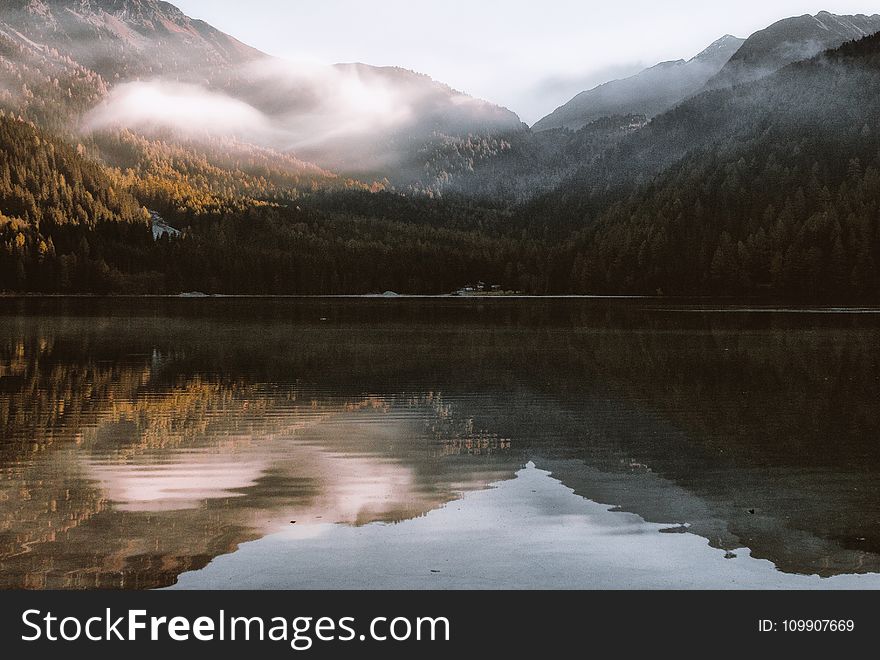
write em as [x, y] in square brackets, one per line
[437, 444]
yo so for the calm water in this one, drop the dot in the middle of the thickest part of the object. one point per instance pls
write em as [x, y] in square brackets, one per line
[437, 444]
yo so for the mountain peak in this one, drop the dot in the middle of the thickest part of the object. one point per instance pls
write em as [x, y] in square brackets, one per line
[648, 93]
[123, 38]
[720, 49]
[790, 40]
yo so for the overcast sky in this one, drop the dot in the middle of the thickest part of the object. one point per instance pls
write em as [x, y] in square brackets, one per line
[528, 55]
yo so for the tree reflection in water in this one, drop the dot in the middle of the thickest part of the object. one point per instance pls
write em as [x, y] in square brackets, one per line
[141, 439]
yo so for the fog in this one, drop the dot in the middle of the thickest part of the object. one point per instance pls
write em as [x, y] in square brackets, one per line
[328, 103]
[188, 109]
[340, 116]
[312, 104]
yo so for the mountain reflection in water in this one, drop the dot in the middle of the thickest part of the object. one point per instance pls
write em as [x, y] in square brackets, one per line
[142, 439]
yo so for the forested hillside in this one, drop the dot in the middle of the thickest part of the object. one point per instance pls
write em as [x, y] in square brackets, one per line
[513, 168]
[186, 180]
[56, 206]
[779, 193]
[70, 225]
[45, 86]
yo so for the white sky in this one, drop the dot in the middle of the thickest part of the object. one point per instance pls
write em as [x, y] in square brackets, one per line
[528, 55]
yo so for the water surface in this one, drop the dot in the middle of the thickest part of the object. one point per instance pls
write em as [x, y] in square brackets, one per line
[259, 443]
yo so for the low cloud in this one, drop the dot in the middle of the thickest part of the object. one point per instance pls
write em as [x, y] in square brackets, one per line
[345, 116]
[190, 110]
[314, 104]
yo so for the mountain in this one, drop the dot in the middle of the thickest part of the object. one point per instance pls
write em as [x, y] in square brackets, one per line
[791, 40]
[69, 224]
[152, 69]
[115, 112]
[766, 188]
[648, 93]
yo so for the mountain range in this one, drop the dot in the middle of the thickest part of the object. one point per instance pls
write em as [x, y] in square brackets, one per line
[769, 186]
[750, 169]
[649, 93]
[727, 62]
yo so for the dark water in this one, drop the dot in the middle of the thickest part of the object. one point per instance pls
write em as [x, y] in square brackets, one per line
[482, 443]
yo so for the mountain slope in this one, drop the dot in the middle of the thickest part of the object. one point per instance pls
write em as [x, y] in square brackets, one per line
[648, 93]
[67, 226]
[123, 39]
[512, 168]
[791, 40]
[52, 201]
[159, 71]
[366, 120]
[45, 87]
[767, 187]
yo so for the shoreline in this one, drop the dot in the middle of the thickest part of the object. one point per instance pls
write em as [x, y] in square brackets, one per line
[685, 304]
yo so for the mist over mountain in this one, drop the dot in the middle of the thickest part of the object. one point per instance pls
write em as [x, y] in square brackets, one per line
[363, 119]
[161, 71]
[357, 119]
[648, 93]
[791, 40]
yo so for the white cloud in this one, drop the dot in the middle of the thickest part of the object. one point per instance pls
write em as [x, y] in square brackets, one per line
[280, 104]
[344, 116]
[311, 104]
[186, 108]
